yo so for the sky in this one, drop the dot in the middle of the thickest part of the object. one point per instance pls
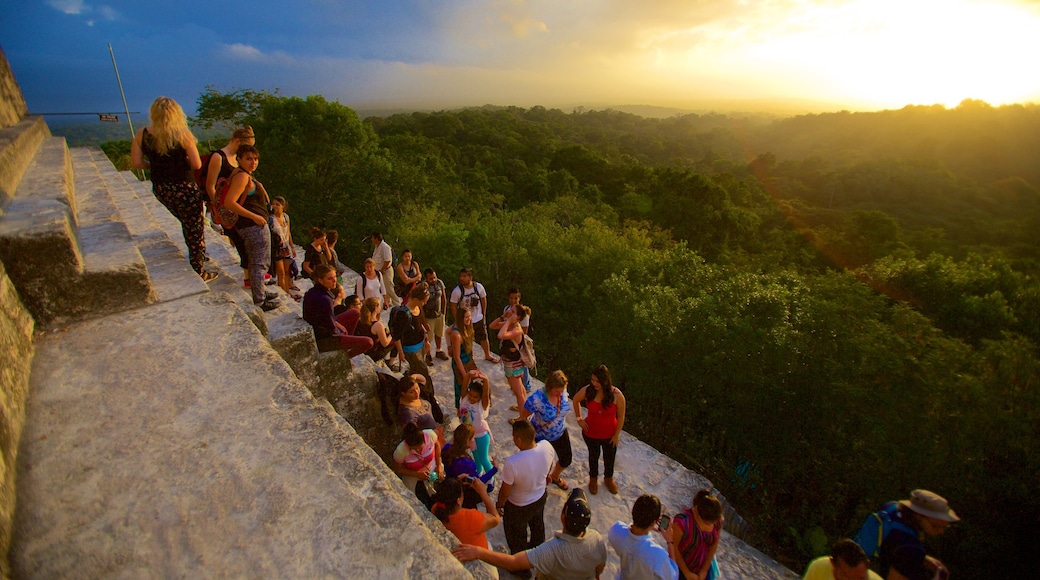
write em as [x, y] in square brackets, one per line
[425, 54]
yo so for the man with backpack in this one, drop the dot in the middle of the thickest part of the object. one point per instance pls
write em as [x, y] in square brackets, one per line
[475, 297]
[892, 536]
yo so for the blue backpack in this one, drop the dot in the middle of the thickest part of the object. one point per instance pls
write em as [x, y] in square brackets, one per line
[876, 528]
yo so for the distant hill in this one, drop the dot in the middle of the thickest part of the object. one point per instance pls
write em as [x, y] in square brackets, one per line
[80, 131]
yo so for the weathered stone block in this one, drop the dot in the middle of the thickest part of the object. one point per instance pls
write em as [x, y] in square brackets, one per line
[355, 396]
[18, 145]
[16, 354]
[293, 339]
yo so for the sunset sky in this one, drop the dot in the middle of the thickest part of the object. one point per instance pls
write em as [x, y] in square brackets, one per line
[827, 55]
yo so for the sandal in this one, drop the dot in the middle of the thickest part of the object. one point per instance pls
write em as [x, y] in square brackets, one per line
[560, 483]
[514, 408]
[494, 360]
[514, 420]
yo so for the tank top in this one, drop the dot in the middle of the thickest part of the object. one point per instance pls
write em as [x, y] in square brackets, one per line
[602, 420]
[256, 202]
[171, 167]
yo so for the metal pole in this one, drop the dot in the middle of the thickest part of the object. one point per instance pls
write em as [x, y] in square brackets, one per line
[121, 94]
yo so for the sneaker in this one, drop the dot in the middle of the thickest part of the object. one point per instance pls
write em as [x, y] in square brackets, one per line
[268, 305]
[429, 360]
[442, 355]
[245, 283]
[395, 365]
[267, 277]
[270, 295]
[271, 281]
[208, 276]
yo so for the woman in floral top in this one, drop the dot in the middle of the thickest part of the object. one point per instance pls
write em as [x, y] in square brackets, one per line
[547, 410]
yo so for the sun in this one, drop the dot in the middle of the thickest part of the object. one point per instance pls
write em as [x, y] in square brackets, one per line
[899, 52]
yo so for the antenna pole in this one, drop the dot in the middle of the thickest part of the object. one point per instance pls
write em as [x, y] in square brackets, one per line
[121, 94]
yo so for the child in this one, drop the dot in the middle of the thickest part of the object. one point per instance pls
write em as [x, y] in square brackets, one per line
[473, 409]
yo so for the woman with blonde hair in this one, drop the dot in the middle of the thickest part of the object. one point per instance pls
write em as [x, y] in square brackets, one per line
[167, 148]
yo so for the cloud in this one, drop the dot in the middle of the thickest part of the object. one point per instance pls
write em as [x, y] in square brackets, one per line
[79, 7]
[245, 52]
[69, 6]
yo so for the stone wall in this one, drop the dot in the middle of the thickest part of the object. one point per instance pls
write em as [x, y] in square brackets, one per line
[12, 103]
[16, 354]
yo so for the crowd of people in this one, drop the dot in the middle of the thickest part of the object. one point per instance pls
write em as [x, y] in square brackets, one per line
[455, 478]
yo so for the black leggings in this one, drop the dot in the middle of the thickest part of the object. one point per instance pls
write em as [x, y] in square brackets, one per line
[609, 452]
[563, 449]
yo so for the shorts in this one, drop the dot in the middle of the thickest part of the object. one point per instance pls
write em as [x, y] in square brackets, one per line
[436, 325]
[480, 332]
[513, 368]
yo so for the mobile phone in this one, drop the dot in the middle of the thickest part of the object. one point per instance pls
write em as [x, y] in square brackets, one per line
[665, 522]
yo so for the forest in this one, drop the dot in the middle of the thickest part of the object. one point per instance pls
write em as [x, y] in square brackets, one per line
[818, 313]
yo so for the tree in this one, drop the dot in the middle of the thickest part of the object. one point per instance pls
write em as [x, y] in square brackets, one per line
[229, 110]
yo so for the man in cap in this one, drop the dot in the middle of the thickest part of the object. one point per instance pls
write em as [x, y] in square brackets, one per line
[847, 561]
[902, 555]
[576, 553]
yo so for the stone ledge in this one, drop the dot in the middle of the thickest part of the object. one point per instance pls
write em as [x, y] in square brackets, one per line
[209, 460]
[18, 145]
[16, 355]
[49, 175]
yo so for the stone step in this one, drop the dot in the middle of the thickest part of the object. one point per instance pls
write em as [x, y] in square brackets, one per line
[172, 440]
[69, 264]
[18, 146]
[170, 274]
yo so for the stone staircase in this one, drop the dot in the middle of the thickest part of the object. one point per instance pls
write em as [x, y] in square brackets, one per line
[169, 425]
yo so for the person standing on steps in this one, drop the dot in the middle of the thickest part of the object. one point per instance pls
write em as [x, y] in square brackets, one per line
[601, 427]
[167, 148]
[641, 557]
[473, 295]
[577, 552]
[511, 335]
[435, 308]
[317, 252]
[285, 251]
[513, 298]
[383, 255]
[410, 336]
[248, 198]
[548, 408]
[221, 163]
[521, 500]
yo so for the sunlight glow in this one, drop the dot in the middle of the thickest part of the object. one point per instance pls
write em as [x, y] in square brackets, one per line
[874, 52]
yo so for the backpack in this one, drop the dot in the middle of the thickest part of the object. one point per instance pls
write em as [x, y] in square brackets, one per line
[221, 214]
[526, 348]
[877, 527]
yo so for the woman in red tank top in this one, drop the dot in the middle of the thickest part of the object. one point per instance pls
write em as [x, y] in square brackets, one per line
[602, 425]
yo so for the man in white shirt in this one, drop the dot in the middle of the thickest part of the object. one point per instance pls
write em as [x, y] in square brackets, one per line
[641, 557]
[521, 501]
[472, 294]
[383, 255]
